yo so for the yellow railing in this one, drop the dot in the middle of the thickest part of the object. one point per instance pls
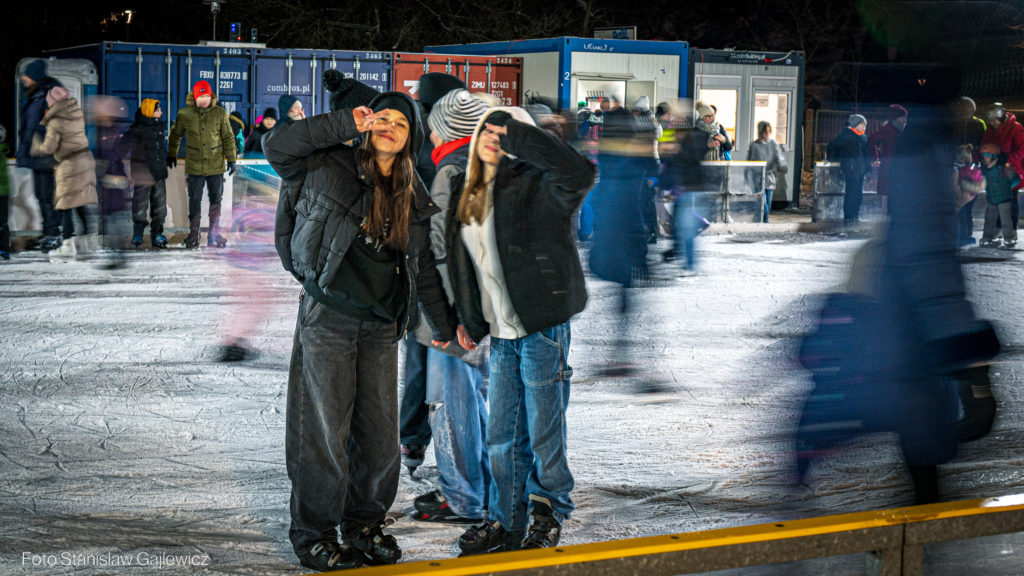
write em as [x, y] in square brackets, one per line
[893, 540]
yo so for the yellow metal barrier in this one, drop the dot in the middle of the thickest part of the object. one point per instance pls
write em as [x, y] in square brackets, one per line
[894, 540]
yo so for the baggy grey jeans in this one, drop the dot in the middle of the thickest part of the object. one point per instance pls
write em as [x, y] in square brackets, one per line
[341, 438]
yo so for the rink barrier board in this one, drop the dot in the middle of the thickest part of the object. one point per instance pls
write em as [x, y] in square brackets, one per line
[893, 541]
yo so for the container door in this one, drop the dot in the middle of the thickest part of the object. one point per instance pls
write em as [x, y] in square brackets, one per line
[281, 72]
[723, 92]
[370, 68]
[774, 101]
[497, 75]
[407, 68]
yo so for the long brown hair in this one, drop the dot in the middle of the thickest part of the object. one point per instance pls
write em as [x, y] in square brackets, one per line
[391, 206]
[473, 202]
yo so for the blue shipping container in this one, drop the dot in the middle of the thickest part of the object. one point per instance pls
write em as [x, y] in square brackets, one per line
[277, 72]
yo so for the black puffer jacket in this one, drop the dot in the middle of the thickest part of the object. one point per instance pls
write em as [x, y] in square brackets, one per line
[535, 196]
[325, 194]
[851, 151]
[147, 149]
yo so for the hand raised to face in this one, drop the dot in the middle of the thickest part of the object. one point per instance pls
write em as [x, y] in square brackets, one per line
[367, 120]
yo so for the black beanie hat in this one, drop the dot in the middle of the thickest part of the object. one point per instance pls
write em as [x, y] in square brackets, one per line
[270, 113]
[36, 70]
[347, 92]
[284, 104]
[435, 85]
[406, 105]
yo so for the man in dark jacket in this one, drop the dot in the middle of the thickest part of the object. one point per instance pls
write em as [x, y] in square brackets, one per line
[144, 143]
[37, 84]
[849, 148]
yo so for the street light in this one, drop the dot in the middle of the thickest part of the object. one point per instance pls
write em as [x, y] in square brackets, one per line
[214, 9]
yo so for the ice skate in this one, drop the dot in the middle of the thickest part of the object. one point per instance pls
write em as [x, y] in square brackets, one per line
[376, 546]
[483, 539]
[66, 253]
[328, 555]
[159, 241]
[433, 507]
[545, 529]
[412, 456]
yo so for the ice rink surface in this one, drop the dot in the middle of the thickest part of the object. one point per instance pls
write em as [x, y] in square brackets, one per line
[122, 438]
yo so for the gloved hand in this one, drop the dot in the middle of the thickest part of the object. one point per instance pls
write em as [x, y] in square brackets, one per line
[979, 405]
[171, 162]
[231, 168]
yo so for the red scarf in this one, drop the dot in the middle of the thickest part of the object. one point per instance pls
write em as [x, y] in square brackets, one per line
[857, 132]
[447, 148]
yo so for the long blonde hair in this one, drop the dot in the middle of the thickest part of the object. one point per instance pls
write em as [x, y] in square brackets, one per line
[390, 211]
[473, 202]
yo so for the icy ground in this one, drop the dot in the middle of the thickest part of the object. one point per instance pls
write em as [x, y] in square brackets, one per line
[120, 434]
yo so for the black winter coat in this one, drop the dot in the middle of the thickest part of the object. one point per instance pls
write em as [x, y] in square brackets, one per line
[325, 194]
[535, 196]
[851, 151]
[32, 112]
[147, 149]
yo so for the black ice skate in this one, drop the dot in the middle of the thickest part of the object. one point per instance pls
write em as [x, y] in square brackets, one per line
[376, 546]
[328, 555]
[433, 507]
[544, 528]
[483, 539]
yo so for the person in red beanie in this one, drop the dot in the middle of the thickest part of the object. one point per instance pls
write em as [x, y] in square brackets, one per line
[211, 144]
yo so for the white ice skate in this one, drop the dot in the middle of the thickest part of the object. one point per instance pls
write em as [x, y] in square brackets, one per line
[66, 252]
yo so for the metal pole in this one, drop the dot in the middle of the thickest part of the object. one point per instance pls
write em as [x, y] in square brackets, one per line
[188, 61]
[467, 74]
[488, 89]
[138, 62]
[288, 65]
[312, 86]
[216, 75]
[167, 103]
[214, 26]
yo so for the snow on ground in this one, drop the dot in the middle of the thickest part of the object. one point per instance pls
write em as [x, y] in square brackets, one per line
[122, 438]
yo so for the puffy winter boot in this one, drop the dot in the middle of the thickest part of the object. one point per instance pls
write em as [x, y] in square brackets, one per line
[66, 252]
[214, 239]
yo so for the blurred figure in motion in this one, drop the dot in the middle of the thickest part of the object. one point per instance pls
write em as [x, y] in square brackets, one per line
[37, 84]
[254, 143]
[903, 351]
[969, 130]
[648, 132]
[144, 145]
[250, 257]
[75, 171]
[618, 251]
[882, 144]
[682, 175]
[109, 112]
[850, 149]
[968, 182]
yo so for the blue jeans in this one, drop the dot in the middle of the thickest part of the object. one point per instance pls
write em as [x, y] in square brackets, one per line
[685, 228]
[413, 414]
[529, 393]
[767, 204]
[457, 394]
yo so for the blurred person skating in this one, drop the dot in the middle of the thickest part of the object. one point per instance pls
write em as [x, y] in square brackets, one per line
[352, 225]
[1008, 134]
[849, 148]
[75, 168]
[516, 276]
[882, 144]
[766, 149]
[618, 251]
[210, 151]
[413, 412]
[110, 113]
[144, 145]
[648, 132]
[5, 199]
[904, 347]
[1000, 180]
[37, 85]
[254, 143]
[969, 129]
[683, 175]
[456, 387]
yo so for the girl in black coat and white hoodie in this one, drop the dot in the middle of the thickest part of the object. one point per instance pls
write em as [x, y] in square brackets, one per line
[353, 226]
[516, 275]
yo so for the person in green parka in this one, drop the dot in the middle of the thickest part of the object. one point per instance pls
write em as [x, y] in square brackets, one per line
[209, 145]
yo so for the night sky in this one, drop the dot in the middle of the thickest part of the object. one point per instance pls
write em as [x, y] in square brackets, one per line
[973, 35]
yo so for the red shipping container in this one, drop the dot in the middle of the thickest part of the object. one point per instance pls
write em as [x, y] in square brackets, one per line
[501, 76]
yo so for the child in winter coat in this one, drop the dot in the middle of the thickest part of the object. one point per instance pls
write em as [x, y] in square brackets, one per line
[144, 144]
[968, 182]
[1000, 181]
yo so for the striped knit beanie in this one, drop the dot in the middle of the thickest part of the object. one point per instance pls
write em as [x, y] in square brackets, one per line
[455, 115]
[149, 107]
